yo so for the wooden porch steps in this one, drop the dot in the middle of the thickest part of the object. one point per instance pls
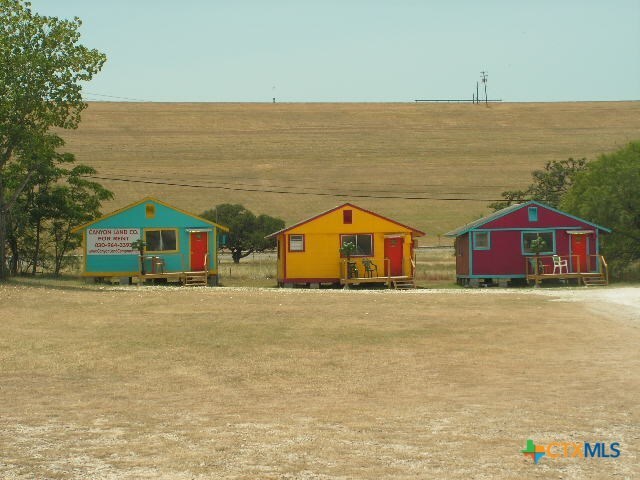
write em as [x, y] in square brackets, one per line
[195, 279]
[407, 284]
[595, 281]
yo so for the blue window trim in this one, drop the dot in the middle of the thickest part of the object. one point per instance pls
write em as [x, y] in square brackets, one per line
[533, 214]
[528, 254]
[484, 232]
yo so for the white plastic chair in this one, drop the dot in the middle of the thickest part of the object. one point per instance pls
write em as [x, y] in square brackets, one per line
[559, 264]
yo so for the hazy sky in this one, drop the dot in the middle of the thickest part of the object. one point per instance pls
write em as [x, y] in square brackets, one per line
[356, 50]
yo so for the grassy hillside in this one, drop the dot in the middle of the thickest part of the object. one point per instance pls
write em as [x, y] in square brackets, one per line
[327, 154]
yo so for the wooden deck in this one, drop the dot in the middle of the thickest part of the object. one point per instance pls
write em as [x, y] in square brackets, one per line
[399, 282]
[596, 272]
[199, 278]
[186, 278]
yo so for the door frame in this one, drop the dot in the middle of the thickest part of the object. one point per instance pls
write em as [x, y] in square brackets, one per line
[572, 235]
[389, 238]
[206, 252]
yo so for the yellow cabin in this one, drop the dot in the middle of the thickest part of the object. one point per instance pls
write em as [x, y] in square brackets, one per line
[346, 245]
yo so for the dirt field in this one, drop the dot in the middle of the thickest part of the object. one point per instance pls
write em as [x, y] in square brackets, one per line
[432, 166]
[178, 383]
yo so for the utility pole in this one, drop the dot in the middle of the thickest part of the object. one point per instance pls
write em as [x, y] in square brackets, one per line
[483, 76]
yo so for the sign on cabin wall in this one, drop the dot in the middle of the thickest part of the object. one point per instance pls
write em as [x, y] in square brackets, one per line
[112, 241]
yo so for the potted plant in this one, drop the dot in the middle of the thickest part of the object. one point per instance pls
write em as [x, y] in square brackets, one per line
[348, 249]
[538, 245]
[139, 245]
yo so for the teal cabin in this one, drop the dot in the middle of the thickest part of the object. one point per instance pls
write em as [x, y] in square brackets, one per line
[177, 246]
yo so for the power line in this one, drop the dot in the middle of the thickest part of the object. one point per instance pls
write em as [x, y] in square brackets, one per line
[342, 184]
[297, 185]
[284, 192]
[114, 96]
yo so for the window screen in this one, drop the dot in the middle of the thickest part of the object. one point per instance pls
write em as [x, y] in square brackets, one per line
[481, 240]
[296, 243]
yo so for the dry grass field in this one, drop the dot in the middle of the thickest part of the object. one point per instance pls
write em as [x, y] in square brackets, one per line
[327, 154]
[200, 383]
[159, 382]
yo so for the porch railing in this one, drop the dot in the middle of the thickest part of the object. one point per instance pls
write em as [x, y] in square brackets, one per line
[346, 277]
[576, 266]
[543, 264]
[603, 268]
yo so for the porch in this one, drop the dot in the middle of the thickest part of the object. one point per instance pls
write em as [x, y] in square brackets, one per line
[589, 270]
[357, 273]
[152, 268]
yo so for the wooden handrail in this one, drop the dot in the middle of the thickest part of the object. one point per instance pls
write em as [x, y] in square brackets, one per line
[387, 266]
[344, 270]
[576, 271]
[574, 261]
[604, 268]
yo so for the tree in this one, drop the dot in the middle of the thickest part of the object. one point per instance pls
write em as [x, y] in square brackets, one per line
[549, 184]
[32, 179]
[246, 231]
[57, 197]
[41, 66]
[73, 204]
[607, 192]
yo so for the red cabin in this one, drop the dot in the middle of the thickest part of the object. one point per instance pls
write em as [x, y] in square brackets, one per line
[530, 241]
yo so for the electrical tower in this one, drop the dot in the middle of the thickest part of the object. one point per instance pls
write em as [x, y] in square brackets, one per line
[483, 76]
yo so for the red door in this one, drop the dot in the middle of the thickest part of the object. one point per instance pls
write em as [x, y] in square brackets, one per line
[579, 252]
[393, 250]
[199, 248]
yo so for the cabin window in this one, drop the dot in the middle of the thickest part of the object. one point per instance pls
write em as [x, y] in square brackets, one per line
[296, 243]
[533, 214]
[150, 210]
[165, 240]
[481, 240]
[363, 243]
[547, 238]
[347, 217]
